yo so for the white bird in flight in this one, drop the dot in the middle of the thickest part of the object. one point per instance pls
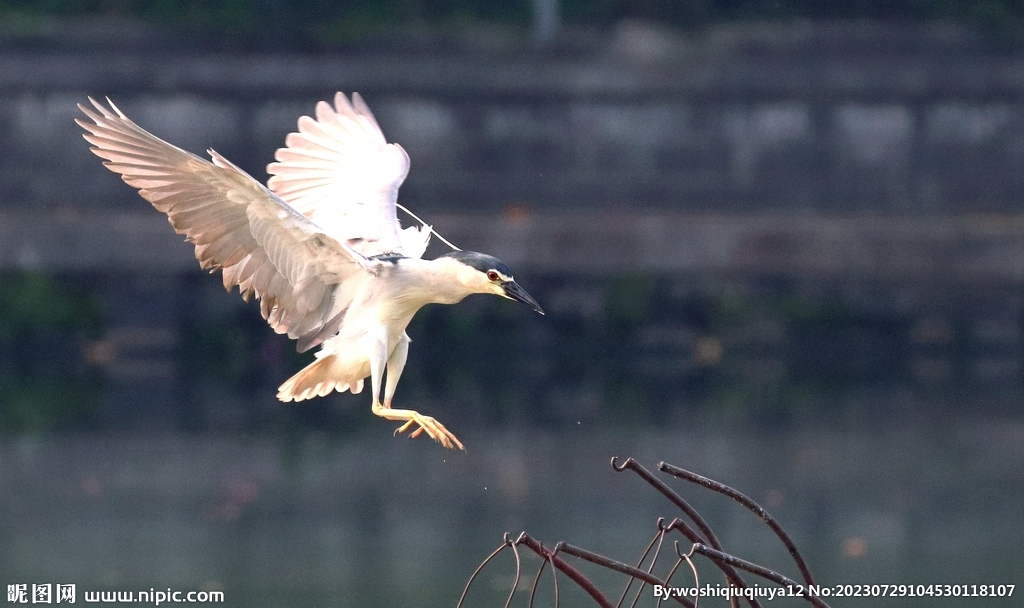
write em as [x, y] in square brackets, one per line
[320, 245]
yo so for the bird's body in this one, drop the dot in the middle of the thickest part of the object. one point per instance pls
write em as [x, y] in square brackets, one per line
[320, 246]
[375, 322]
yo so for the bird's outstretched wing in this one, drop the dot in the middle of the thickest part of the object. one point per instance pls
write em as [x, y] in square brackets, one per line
[304, 278]
[340, 172]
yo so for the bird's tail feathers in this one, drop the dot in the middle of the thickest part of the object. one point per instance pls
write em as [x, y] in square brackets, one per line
[318, 379]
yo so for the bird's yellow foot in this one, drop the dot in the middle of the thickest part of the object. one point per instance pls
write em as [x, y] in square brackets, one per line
[434, 429]
[425, 424]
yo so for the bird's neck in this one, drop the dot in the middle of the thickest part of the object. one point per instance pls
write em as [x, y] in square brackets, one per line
[438, 281]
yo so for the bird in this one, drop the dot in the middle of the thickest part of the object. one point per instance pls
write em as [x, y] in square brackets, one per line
[320, 245]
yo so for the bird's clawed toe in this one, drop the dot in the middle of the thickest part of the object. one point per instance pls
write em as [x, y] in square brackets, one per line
[434, 429]
[424, 424]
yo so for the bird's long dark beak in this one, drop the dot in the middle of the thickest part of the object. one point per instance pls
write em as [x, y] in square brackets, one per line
[514, 292]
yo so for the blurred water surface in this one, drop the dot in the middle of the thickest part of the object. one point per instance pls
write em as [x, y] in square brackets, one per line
[369, 520]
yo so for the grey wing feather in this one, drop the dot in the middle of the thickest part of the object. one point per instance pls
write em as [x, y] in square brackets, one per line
[303, 278]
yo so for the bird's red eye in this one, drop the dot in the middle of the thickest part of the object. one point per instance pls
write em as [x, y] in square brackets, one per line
[492, 275]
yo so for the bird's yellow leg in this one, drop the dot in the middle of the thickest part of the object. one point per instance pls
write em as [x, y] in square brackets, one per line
[395, 364]
[425, 424]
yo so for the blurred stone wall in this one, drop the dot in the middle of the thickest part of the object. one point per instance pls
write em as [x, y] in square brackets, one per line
[802, 118]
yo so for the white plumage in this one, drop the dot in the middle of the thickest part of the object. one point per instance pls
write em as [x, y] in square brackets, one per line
[340, 172]
[320, 247]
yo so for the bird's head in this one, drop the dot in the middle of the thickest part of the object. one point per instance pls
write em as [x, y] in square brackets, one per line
[482, 273]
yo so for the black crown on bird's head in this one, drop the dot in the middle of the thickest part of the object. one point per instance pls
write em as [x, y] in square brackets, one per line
[480, 261]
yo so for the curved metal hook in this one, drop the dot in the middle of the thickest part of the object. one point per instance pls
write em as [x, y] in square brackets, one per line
[688, 555]
[625, 465]
[671, 525]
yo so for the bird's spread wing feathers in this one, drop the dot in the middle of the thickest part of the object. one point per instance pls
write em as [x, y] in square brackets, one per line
[303, 278]
[340, 172]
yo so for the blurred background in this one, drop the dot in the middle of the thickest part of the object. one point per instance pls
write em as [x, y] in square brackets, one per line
[779, 243]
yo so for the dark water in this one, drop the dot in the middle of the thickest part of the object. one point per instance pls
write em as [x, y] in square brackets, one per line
[371, 520]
